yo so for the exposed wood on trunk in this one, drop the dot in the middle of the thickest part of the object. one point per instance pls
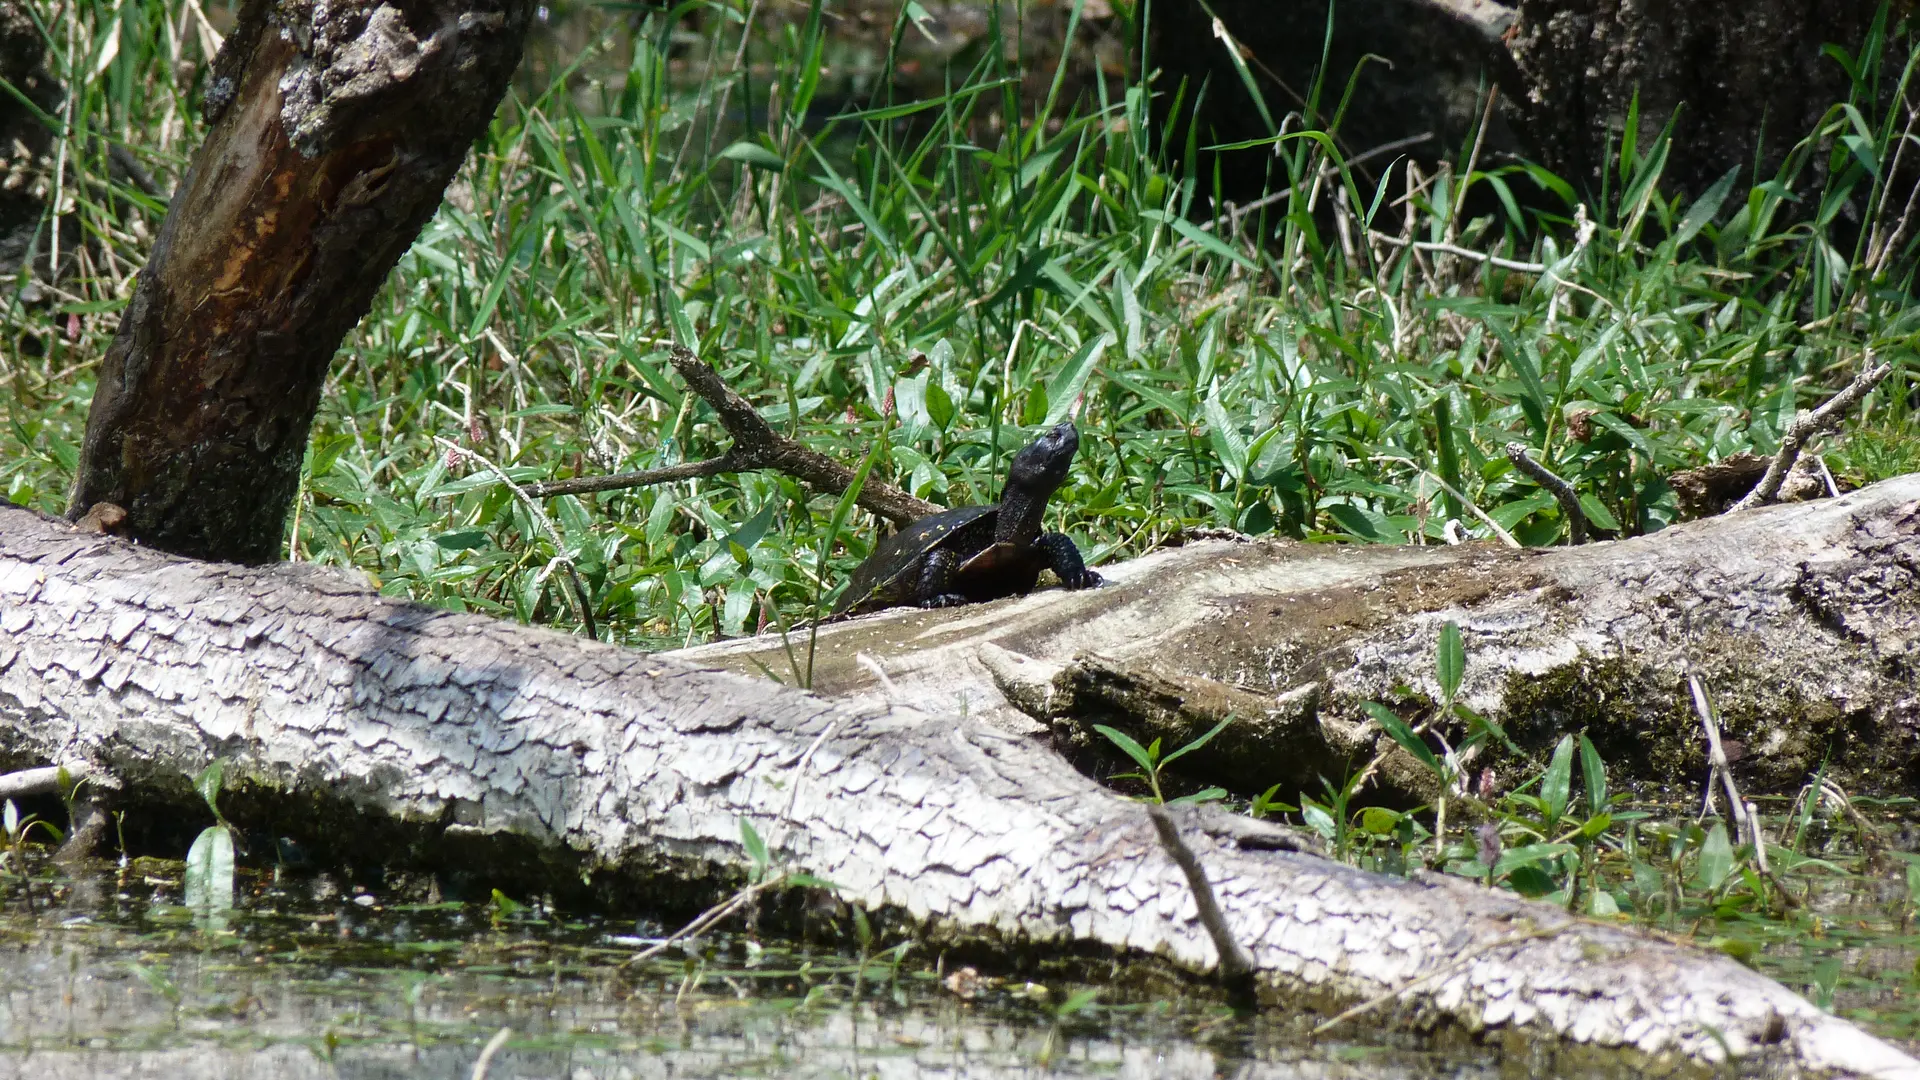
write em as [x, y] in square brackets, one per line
[628, 766]
[1805, 620]
[337, 130]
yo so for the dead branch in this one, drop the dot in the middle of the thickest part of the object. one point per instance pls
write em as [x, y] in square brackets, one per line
[1561, 491]
[1805, 426]
[755, 446]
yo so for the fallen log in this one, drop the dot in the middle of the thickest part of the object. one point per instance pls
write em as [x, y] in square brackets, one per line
[370, 721]
[1804, 619]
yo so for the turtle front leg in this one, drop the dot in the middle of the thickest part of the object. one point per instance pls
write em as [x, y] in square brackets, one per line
[1065, 561]
[936, 580]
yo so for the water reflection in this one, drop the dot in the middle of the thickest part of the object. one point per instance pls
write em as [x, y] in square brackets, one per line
[346, 986]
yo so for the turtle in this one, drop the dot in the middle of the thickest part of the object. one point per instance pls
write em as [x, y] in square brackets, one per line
[973, 553]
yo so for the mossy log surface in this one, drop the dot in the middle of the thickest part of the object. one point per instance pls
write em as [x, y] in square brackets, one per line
[490, 737]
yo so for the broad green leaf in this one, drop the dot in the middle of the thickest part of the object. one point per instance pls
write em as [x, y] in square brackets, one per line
[1127, 745]
[1398, 730]
[209, 872]
[939, 405]
[1225, 435]
[1450, 660]
[752, 153]
[1318, 820]
[1597, 512]
[1716, 857]
[1199, 742]
[1704, 208]
[756, 848]
[208, 785]
[1065, 388]
[1558, 781]
[1594, 772]
[1378, 821]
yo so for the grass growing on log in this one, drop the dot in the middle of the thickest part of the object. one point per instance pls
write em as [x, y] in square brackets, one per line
[935, 278]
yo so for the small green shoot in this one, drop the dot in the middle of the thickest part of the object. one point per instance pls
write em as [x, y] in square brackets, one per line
[1152, 764]
[210, 861]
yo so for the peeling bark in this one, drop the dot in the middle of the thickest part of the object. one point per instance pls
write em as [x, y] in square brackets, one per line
[626, 766]
[336, 129]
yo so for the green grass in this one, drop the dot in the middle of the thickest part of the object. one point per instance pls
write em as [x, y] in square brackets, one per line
[944, 275]
[939, 277]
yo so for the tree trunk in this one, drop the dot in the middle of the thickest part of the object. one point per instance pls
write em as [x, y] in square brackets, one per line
[395, 730]
[26, 152]
[336, 129]
[1750, 79]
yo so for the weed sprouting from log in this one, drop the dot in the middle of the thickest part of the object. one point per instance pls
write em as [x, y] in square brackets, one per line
[1152, 763]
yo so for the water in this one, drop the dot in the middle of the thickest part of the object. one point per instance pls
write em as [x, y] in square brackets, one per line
[308, 981]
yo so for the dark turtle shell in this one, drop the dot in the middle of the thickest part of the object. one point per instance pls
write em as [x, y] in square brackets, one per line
[890, 574]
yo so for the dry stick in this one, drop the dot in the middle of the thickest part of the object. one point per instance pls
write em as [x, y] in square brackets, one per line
[485, 1060]
[1236, 967]
[1805, 426]
[1462, 252]
[1235, 214]
[1561, 490]
[755, 446]
[1745, 817]
[1881, 245]
[560, 554]
[44, 780]
[708, 918]
[1473, 162]
[1506, 537]
[1717, 765]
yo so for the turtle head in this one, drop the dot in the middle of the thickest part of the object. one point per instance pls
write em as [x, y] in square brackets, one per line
[1042, 467]
[1034, 475]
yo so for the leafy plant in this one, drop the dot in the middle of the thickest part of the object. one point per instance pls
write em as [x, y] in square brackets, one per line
[210, 861]
[1151, 763]
[18, 828]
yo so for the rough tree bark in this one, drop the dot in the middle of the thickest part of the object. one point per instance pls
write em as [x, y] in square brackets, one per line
[480, 743]
[26, 158]
[1750, 79]
[336, 127]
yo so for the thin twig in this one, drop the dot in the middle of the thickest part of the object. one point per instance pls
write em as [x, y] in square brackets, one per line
[1746, 817]
[1562, 491]
[1473, 162]
[755, 446]
[1500, 531]
[1236, 967]
[587, 485]
[1234, 214]
[1462, 252]
[708, 918]
[485, 1060]
[44, 780]
[1717, 764]
[560, 553]
[1805, 426]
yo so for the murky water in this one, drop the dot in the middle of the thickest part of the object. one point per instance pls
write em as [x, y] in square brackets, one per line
[105, 982]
